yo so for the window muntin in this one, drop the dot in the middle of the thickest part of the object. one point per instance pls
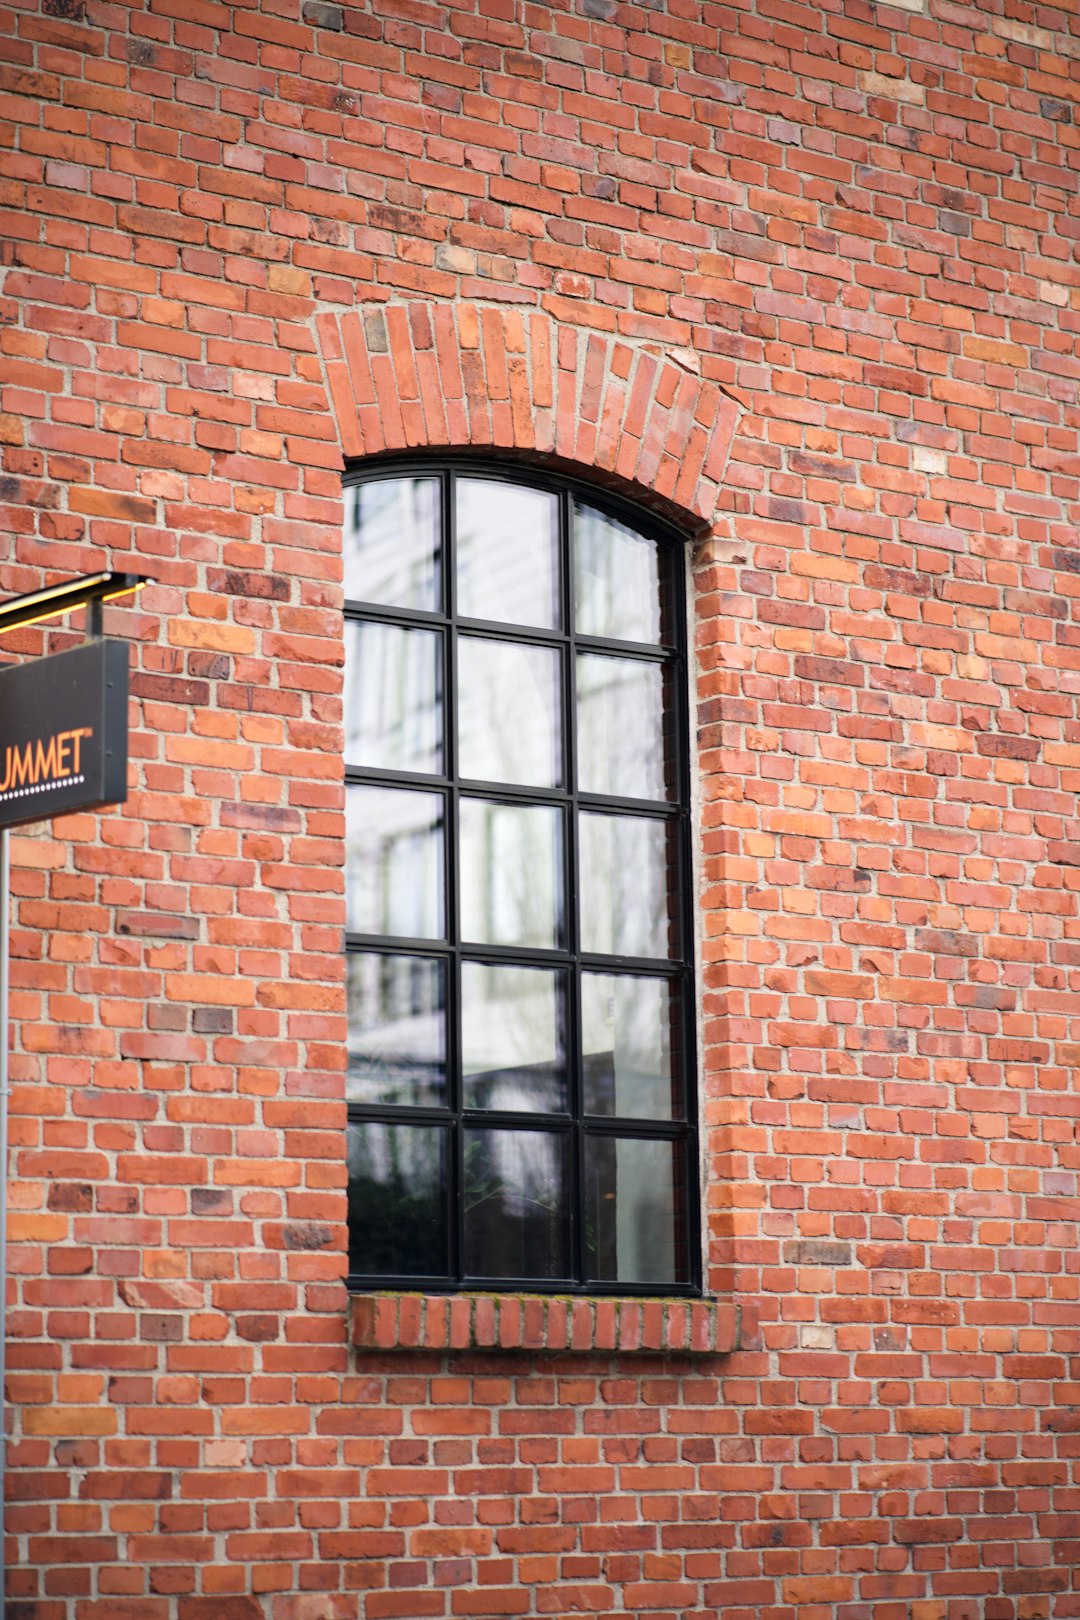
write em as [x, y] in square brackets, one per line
[520, 1006]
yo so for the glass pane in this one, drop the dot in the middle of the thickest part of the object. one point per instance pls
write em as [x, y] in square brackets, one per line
[394, 863]
[515, 1199]
[398, 1216]
[509, 728]
[392, 551]
[635, 1210]
[393, 697]
[507, 553]
[627, 880]
[631, 1031]
[512, 1044]
[616, 579]
[511, 874]
[624, 747]
[397, 1030]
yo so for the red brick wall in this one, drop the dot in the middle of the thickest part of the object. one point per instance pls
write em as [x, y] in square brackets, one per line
[858, 225]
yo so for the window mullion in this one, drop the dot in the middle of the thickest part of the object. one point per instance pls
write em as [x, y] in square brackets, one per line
[574, 1053]
[456, 1190]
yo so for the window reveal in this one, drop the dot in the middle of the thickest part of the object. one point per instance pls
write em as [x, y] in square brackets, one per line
[519, 995]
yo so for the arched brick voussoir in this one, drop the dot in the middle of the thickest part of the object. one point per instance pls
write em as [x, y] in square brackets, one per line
[416, 376]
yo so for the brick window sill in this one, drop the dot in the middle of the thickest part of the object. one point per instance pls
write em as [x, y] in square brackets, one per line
[542, 1323]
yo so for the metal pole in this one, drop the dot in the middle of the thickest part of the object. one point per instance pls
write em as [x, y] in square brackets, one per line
[5, 936]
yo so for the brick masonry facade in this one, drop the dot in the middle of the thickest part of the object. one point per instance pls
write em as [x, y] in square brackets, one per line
[808, 279]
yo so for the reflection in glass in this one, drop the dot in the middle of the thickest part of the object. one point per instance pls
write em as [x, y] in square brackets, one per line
[394, 864]
[508, 713]
[629, 1026]
[392, 543]
[512, 1048]
[624, 746]
[507, 553]
[635, 1201]
[515, 1196]
[398, 1219]
[616, 579]
[397, 1030]
[627, 871]
[393, 689]
[511, 874]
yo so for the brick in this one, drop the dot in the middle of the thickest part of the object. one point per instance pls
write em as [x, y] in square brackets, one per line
[795, 281]
[509, 1323]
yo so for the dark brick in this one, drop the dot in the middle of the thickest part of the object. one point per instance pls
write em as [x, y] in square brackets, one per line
[319, 15]
[212, 1020]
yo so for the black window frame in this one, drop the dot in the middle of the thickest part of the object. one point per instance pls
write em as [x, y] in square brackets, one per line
[674, 655]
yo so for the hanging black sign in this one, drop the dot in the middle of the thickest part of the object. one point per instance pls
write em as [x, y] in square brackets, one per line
[63, 732]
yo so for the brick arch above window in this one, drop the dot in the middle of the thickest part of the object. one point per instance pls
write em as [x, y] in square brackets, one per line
[416, 376]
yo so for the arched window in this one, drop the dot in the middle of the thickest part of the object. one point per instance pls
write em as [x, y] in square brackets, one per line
[519, 932]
